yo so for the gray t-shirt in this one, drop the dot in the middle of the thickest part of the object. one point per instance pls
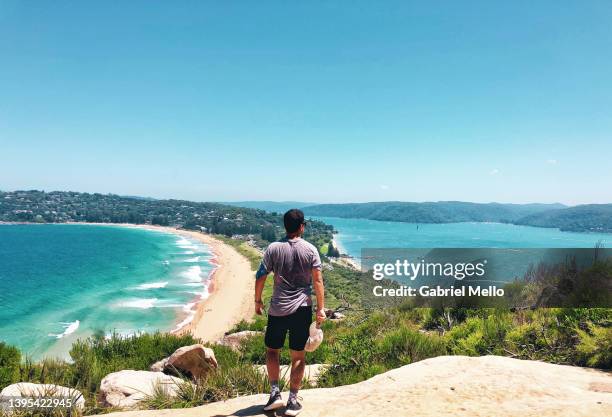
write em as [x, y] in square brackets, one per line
[292, 261]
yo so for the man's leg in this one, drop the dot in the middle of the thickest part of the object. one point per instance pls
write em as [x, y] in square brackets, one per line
[273, 365]
[298, 336]
[298, 365]
[274, 339]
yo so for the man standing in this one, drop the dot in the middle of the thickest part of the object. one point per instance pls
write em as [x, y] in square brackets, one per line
[297, 267]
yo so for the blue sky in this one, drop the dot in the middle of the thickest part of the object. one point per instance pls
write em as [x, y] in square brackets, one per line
[314, 101]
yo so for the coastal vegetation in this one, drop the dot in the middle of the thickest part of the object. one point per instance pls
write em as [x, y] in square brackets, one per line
[65, 206]
[584, 218]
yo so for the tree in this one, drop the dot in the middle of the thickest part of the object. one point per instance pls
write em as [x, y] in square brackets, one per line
[332, 250]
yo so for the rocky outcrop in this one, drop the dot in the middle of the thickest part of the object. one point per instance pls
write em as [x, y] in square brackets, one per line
[233, 340]
[28, 389]
[125, 389]
[444, 386]
[194, 361]
[159, 365]
[311, 373]
[334, 315]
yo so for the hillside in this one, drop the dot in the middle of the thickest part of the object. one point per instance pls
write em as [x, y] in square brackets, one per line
[431, 212]
[590, 217]
[270, 206]
[65, 206]
[443, 386]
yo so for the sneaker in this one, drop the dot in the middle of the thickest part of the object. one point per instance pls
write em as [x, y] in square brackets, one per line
[274, 402]
[293, 407]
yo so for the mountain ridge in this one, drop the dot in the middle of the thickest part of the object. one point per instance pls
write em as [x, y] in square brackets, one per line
[581, 218]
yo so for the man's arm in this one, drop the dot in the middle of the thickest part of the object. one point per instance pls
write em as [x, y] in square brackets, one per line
[317, 283]
[260, 281]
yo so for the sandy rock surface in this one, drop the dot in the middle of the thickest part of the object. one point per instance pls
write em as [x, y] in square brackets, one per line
[443, 386]
[311, 373]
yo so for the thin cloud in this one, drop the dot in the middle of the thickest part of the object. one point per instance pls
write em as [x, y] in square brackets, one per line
[552, 162]
[494, 171]
[384, 187]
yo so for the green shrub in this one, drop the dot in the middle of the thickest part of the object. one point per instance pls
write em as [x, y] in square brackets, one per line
[405, 345]
[595, 347]
[482, 333]
[10, 359]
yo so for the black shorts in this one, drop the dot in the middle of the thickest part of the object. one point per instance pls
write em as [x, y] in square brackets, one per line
[297, 324]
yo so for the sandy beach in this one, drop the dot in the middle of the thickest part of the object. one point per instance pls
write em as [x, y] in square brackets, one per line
[231, 290]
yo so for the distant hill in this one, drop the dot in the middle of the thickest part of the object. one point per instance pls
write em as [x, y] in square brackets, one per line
[431, 212]
[35, 206]
[588, 217]
[270, 206]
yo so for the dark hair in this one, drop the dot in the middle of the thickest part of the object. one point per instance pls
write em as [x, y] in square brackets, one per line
[293, 219]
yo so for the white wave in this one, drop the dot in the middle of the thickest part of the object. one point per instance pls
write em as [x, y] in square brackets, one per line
[168, 305]
[194, 259]
[193, 284]
[190, 310]
[151, 285]
[185, 321]
[69, 328]
[193, 273]
[186, 244]
[166, 262]
[143, 303]
[188, 252]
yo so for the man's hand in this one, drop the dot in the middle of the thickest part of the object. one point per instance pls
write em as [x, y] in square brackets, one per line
[321, 316]
[259, 306]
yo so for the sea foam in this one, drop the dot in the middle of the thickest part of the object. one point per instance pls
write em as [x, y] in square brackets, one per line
[193, 273]
[69, 328]
[151, 285]
[143, 303]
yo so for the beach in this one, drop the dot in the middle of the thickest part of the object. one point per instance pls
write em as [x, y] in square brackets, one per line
[231, 292]
[231, 289]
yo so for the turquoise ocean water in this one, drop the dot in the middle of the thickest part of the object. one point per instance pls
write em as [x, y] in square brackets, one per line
[62, 282]
[355, 234]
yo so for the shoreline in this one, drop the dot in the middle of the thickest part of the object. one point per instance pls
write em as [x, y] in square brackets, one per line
[345, 257]
[230, 288]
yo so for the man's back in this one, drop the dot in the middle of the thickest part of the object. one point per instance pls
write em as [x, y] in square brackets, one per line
[292, 261]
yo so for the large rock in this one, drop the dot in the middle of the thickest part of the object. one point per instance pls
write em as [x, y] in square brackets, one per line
[125, 389]
[159, 365]
[311, 372]
[233, 340]
[28, 389]
[194, 361]
[443, 387]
